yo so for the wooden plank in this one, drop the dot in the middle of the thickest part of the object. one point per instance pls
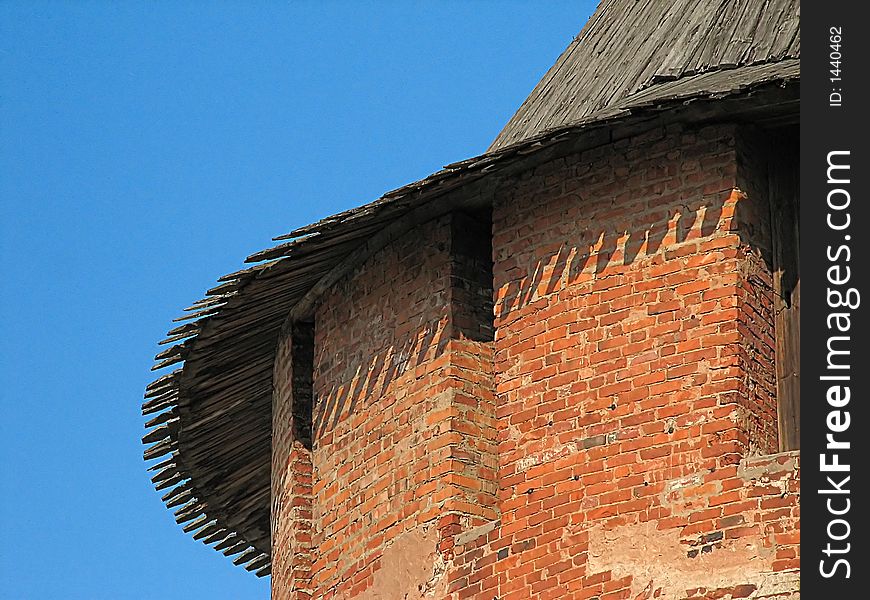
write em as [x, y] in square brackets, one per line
[783, 190]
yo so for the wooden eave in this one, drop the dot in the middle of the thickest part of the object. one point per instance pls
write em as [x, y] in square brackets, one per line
[210, 418]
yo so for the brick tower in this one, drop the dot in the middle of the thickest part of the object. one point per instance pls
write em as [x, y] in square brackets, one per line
[567, 368]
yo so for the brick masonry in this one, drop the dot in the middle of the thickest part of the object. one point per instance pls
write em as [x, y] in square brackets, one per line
[594, 419]
[291, 465]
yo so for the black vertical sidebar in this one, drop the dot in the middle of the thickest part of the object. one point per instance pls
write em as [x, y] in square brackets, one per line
[835, 262]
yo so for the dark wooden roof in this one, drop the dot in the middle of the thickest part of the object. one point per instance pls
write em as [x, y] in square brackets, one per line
[210, 419]
[631, 45]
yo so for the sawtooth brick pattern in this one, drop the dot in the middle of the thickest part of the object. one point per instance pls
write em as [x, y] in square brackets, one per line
[403, 428]
[612, 442]
[634, 372]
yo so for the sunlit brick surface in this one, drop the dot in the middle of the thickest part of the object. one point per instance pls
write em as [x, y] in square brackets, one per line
[613, 438]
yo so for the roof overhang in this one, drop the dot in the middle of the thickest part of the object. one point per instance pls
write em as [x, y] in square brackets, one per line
[211, 422]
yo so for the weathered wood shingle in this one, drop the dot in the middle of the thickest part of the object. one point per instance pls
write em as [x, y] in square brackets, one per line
[632, 45]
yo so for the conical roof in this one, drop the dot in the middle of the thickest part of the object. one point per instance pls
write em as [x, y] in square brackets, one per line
[630, 46]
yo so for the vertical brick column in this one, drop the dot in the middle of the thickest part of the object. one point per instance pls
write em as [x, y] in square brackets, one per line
[633, 377]
[604, 437]
[756, 317]
[475, 453]
[404, 430]
[291, 465]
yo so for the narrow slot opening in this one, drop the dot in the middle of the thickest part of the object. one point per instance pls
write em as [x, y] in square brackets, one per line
[784, 194]
[472, 275]
[303, 380]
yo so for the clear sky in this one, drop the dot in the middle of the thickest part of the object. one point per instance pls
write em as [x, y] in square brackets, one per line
[145, 149]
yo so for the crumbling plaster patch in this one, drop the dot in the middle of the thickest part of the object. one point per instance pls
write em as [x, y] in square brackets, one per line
[658, 562]
[410, 567]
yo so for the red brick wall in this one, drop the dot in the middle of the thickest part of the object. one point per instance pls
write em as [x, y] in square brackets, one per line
[403, 422]
[633, 362]
[612, 441]
[291, 466]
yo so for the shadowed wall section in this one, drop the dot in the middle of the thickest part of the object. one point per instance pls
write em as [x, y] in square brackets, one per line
[612, 433]
[291, 464]
[403, 448]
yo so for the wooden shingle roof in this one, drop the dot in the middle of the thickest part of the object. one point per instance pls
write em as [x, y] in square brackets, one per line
[632, 45]
[210, 418]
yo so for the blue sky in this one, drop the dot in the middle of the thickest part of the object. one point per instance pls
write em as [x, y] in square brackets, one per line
[145, 149]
